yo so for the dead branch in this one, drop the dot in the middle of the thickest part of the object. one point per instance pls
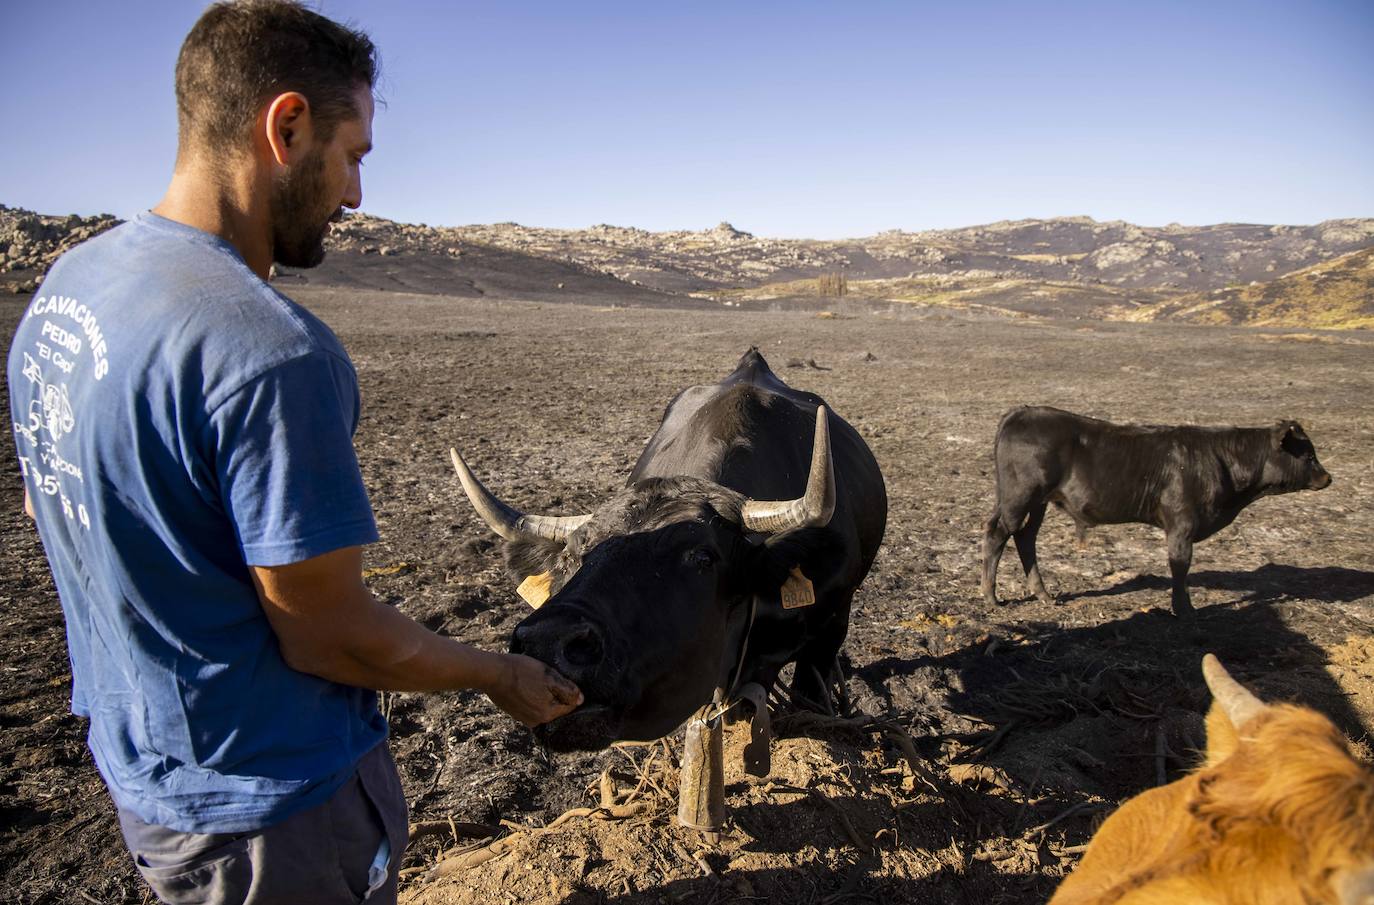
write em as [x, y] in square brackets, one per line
[464, 860]
[1080, 807]
[472, 857]
[859, 842]
[643, 776]
[457, 829]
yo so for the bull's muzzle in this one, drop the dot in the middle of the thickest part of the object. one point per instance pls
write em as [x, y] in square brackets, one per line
[575, 649]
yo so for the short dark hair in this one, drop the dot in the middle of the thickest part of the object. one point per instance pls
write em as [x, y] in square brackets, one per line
[241, 53]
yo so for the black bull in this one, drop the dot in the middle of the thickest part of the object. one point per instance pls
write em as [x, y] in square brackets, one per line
[647, 602]
[1189, 481]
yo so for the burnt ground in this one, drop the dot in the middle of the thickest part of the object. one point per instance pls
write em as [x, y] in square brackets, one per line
[1028, 722]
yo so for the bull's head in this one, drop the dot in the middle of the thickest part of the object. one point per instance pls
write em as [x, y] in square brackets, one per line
[1279, 812]
[1291, 463]
[634, 601]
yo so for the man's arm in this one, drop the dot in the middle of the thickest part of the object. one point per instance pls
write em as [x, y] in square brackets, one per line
[329, 625]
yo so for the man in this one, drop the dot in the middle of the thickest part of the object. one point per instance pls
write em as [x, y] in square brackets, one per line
[185, 436]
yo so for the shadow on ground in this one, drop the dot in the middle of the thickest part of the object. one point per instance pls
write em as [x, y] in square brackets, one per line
[862, 882]
[1328, 584]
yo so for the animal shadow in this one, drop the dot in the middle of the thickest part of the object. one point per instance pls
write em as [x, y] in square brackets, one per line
[1270, 582]
[1135, 678]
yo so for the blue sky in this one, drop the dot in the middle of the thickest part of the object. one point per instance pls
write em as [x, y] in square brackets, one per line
[793, 118]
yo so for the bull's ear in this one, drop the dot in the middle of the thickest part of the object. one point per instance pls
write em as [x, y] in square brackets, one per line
[787, 566]
[526, 557]
[1285, 429]
[536, 589]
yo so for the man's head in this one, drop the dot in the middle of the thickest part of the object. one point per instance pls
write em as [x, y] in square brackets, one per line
[272, 80]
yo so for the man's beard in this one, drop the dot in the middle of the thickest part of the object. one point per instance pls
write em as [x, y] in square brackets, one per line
[298, 223]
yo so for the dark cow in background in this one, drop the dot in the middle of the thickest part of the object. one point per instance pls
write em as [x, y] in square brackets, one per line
[1189, 481]
[750, 501]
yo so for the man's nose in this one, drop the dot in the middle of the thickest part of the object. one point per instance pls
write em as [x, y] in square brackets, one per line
[353, 198]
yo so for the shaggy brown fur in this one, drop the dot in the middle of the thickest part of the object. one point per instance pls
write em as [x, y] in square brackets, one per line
[1280, 813]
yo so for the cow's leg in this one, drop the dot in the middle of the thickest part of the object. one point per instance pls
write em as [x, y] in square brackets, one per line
[1180, 560]
[815, 663]
[995, 538]
[1025, 548]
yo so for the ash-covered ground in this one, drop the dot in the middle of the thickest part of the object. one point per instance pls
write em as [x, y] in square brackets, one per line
[1027, 722]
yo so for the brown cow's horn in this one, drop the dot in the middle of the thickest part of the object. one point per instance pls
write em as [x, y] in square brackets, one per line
[510, 523]
[1355, 885]
[1240, 705]
[815, 507]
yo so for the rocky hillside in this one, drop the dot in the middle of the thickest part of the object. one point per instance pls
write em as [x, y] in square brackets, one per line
[1062, 267]
[1073, 249]
[30, 242]
[1336, 294]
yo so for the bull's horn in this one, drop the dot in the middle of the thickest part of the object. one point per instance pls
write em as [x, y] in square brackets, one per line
[1240, 705]
[510, 523]
[812, 509]
[1355, 885]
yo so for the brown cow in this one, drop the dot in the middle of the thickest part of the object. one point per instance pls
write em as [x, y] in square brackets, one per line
[1280, 813]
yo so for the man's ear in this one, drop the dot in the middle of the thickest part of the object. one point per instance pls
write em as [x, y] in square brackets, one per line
[287, 127]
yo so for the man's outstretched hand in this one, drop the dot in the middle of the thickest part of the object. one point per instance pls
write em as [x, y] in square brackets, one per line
[328, 624]
[533, 692]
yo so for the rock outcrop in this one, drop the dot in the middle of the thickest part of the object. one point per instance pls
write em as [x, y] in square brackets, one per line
[1113, 261]
[30, 242]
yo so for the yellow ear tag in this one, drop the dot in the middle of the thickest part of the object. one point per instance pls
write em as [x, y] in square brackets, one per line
[797, 590]
[535, 589]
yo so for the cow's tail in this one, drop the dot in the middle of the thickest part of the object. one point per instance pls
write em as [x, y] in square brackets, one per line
[1008, 520]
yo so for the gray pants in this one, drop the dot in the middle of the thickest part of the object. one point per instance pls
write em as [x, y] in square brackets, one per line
[322, 855]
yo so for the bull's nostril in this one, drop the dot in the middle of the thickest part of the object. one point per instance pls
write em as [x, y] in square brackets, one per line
[583, 648]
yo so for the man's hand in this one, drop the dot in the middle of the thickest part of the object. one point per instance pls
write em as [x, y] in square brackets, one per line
[533, 692]
[328, 624]
[28, 505]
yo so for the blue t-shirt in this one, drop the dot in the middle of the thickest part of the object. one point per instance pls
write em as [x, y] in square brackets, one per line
[177, 419]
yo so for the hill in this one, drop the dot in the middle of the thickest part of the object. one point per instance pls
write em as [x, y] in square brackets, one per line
[1336, 294]
[1069, 249]
[1061, 267]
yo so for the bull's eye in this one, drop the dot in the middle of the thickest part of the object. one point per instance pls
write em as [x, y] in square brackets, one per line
[703, 559]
